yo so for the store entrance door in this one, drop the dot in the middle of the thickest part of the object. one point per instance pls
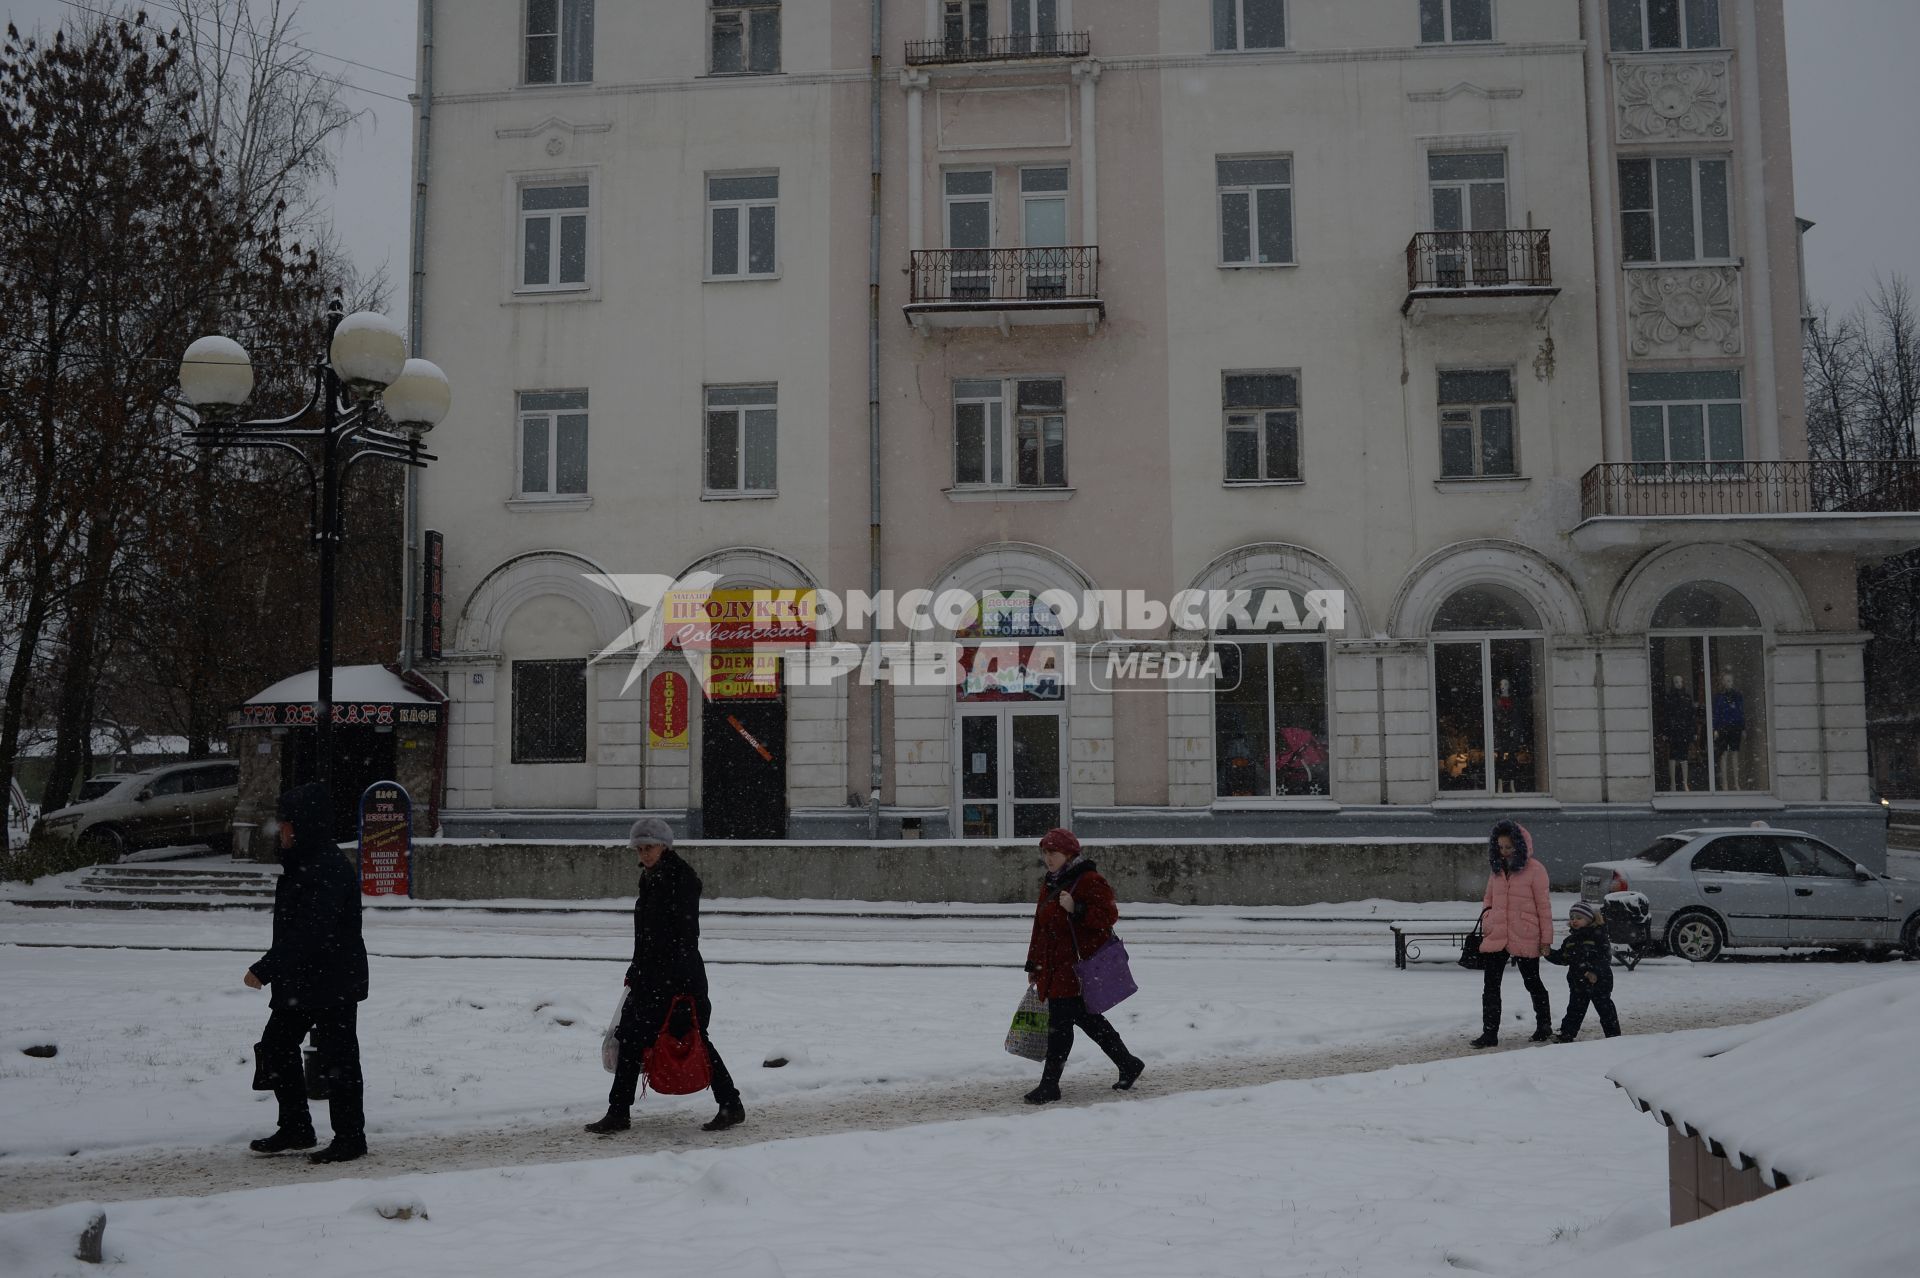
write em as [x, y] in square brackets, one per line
[743, 769]
[1012, 770]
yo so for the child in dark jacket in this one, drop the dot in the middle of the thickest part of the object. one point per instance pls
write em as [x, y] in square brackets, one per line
[1588, 957]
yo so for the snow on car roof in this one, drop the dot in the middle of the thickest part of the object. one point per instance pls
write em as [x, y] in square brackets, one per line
[1778, 1095]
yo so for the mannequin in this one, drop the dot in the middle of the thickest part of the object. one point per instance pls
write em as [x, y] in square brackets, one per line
[1679, 719]
[1729, 726]
[1509, 738]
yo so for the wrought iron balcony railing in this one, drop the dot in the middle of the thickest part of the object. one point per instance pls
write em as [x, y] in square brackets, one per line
[1465, 260]
[1702, 488]
[983, 48]
[1006, 276]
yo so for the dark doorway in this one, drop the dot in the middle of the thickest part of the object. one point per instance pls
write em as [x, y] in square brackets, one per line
[743, 770]
[361, 756]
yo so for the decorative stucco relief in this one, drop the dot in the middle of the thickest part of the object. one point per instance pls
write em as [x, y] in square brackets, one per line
[1660, 101]
[1688, 311]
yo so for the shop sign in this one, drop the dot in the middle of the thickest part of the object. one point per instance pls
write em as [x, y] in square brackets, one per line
[1009, 614]
[435, 560]
[741, 676]
[1013, 672]
[741, 618]
[667, 711]
[386, 840]
[355, 714]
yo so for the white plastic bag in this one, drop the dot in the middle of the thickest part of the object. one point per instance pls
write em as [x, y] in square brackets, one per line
[609, 1044]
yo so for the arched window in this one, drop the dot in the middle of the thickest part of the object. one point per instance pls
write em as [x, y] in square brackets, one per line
[1270, 698]
[1489, 693]
[1707, 662]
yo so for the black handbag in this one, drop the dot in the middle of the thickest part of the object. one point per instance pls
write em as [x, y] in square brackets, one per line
[262, 1071]
[1470, 947]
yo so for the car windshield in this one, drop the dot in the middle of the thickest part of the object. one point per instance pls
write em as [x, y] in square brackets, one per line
[96, 788]
[1662, 849]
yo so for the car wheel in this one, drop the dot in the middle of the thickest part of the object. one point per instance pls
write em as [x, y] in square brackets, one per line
[107, 844]
[1695, 937]
[1911, 942]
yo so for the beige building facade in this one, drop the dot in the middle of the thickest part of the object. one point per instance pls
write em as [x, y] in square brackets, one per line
[1481, 315]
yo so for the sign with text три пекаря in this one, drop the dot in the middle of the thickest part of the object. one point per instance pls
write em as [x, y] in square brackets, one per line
[386, 840]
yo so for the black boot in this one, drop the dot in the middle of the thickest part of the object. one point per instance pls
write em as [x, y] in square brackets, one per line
[1542, 1033]
[731, 1115]
[344, 1149]
[1129, 1072]
[1045, 1094]
[618, 1119]
[284, 1139]
[1487, 1039]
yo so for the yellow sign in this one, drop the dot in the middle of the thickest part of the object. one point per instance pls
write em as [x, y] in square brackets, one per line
[740, 618]
[741, 676]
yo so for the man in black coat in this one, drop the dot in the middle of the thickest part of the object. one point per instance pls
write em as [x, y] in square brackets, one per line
[318, 970]
[666, 964]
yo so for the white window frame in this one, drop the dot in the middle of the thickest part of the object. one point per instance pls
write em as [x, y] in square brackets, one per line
[1704, 466]
[1446, 24]
[1542, 693]
[1228, 426]
[743, 234]
[553, 217]
[1476, 422]
[1000, 422]
[990, 198]
[1686, 28]
[1062, 20]
[1266, 643]
[1699, 212]
[1240, 29]
[738, 411]
[566, 13]
[741, 11]
[550, 416]
[1256, 193]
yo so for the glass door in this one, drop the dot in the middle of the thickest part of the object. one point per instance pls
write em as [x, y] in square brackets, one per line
[969, 196]
[1043, 230]
[1469, 195]
[1011, 771]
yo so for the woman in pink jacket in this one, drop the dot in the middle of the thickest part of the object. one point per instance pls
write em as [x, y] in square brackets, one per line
[1518, 923]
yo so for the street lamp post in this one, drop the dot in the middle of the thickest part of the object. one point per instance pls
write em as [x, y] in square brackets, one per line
[366, 357]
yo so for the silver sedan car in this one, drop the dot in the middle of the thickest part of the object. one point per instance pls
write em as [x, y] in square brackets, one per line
[1709, 889]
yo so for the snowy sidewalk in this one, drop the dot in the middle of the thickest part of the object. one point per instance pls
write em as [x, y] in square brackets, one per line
[30, 1183]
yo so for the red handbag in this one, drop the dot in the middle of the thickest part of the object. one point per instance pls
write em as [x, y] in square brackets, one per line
[678, 1066]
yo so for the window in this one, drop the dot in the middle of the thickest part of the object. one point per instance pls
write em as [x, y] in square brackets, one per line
[1456, 21]
[1635, 25]
[1816, 860]
[1036, 25]
[1270, 702]
[1675, 210]
[740, 222]
[218, 777]
[172, 783]
[981, 443]
[1256, 210]
[559, 42]
[553, 237]
[1263, 426]
[745, 37]
[963, 27]
[1249, 24]
[742, 425]
[553, 443]
[1489, 693]
[969, 205]
[1476, 424]
[1707, 667]
[1043, 226]
[1686, 424]
[549, 712]
[1739, 854]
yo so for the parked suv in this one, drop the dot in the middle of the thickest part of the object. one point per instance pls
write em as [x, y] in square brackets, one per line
[181, 803]
[1713, 888]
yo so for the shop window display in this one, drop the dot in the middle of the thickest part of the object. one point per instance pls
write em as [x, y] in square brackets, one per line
[1270, 702]
[1489, 694]
[1709, 692]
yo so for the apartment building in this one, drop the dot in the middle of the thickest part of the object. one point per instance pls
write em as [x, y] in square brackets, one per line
[1478, 315]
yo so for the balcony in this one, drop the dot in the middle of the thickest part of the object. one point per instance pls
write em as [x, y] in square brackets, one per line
[1871, 508]
[1005, 288]
[1008, 48]
[1477, 273]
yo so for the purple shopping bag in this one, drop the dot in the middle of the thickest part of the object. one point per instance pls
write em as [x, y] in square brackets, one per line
[1105, 978]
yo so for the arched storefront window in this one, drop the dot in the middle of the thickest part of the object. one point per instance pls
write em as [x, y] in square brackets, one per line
[1270, 699]
[1010, 719]
[1489, 693]
[1707, 663]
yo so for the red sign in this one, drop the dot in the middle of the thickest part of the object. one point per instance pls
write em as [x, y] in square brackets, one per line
[667, 711]
[386, 840]
[741, 676]
[741, 618]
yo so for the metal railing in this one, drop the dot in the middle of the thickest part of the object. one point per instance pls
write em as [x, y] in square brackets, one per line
[1008, 276]
[1749, 488]
[1479, 259]
[983, 48]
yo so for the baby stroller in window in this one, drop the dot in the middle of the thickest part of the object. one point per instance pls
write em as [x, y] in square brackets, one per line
[1628, 918]
[1300, 764]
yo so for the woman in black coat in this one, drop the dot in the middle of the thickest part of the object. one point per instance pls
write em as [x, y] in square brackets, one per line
[666, 964]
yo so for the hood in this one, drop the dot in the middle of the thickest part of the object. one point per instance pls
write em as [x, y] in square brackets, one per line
[1069, 872]
[1522, 843]
[310, 808]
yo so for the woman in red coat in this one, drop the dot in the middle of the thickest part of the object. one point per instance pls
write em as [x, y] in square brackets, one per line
[1075, 917]
[1519, 923]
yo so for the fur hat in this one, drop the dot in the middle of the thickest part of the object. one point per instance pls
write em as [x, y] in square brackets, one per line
[1584, 910]
[650, 830]
[1061, 841]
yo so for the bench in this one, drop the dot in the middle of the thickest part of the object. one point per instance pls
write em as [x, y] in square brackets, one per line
[1408, 935]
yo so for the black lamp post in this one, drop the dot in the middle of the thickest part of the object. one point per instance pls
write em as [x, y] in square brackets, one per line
[338, 427]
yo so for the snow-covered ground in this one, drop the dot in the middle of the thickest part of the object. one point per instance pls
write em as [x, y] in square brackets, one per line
[1503, 1163]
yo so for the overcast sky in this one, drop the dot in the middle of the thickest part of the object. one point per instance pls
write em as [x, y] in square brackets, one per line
[1856, 107]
